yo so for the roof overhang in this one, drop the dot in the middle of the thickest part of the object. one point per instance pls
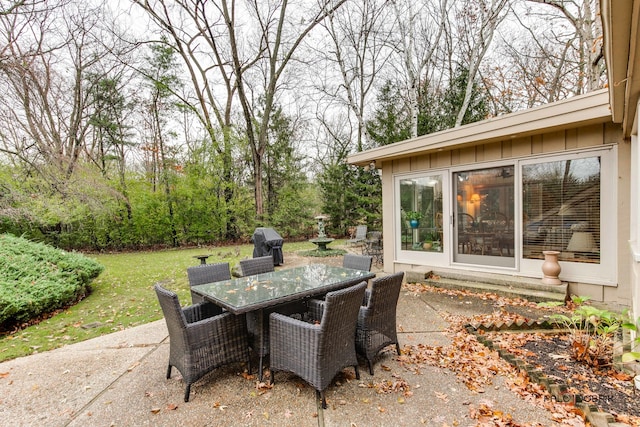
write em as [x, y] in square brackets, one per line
[620, 21]
[574, 112]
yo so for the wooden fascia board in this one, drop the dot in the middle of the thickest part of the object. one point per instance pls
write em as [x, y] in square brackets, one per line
[616, 24]
[632, 94]
[570, 113]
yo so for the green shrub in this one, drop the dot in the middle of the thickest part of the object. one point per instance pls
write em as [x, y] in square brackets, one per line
[37, 279]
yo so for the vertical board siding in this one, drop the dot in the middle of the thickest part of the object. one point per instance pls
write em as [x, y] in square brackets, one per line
[550, 142]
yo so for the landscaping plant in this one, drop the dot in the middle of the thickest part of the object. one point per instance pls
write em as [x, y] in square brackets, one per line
[36, 279]
[634, 354]
[592, 332]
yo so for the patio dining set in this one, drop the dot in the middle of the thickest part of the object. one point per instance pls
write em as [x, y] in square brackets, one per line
[312, 321]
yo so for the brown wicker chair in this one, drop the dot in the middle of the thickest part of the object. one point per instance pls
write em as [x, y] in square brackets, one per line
[317, 352]
[207, 273]
[357, 262]
[200, 340]
[263, 264]
[377, 318]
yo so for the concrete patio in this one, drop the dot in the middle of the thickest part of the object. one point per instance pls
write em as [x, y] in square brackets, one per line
[119, 380]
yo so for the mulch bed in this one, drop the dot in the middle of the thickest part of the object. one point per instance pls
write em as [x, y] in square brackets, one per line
[610, 390]
[607, 389]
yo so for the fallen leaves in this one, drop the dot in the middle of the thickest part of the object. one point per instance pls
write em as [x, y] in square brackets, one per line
[247, 376]
[499, 300]
[477, 366]
[394, 385]
[132, 367]
[622, 376]
[442, 396]
[472, 362]
[605, 388]
[263, 387]
[169, 407]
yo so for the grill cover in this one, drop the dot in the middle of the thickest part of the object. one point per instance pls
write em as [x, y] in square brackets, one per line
[266, 241]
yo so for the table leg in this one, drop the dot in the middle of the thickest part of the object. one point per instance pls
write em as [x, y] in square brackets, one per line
[261, 351]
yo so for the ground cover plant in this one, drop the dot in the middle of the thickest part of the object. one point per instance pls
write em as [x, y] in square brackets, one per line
[122, 296]
[36, 279]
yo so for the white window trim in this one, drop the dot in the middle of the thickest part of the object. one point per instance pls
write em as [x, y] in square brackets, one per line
[605, 273]
[419, 257]
[634, 200]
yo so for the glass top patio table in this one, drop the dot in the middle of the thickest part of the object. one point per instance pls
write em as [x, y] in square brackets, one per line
[245, 294]
[258, 292]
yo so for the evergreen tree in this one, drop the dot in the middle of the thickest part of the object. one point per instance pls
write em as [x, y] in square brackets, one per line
[453, 98]
[287, 199]
[351, 195]
[390, 122]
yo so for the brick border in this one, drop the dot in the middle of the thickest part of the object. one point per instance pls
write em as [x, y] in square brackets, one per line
[556, 388]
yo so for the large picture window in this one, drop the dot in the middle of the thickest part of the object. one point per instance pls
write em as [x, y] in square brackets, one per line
[561, 209]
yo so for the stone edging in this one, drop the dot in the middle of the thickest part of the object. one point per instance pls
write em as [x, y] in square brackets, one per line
[556, 388]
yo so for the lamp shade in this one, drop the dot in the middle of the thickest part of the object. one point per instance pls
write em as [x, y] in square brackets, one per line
[566, 210]
[582, 241]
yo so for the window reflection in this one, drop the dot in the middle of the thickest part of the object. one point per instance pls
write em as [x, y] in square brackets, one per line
[484, 214]
[421, 214]
[561, 209]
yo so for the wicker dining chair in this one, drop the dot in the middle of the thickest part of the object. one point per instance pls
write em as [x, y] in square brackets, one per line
[201, 340]
[357, 262]
[207, 273]
[316, 352]
[251, 266]
[377, 318]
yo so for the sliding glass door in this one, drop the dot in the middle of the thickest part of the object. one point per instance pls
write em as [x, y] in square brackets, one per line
[484, 226]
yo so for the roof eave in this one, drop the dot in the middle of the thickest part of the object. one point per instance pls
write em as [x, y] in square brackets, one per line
[573, 112]
[622, 55]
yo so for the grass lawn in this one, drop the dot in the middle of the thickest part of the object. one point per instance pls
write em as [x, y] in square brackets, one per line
[122, 296]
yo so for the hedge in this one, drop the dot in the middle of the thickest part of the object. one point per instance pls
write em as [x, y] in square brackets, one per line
[36, 279]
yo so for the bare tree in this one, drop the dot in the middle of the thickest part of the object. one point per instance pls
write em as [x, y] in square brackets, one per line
[419, 28]
[582, 15]
[550, 51]
[218, 45]
[45, 112]
[477, 23]
[358, 50]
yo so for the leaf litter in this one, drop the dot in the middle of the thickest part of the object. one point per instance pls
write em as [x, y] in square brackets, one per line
[475, 365]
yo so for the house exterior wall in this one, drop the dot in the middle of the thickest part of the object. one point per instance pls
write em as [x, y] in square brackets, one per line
[558, 141]
[633, 251]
